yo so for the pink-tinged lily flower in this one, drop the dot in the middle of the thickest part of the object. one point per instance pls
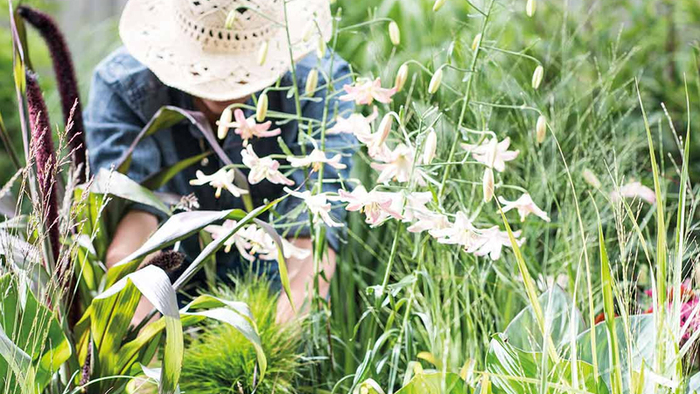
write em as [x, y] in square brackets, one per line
[461, 232]
[249, 128]
[525, 206]
[415, 205]
[356, 124]
[491, 242]
[237, 240]
[219, 180]
[316, 160]
[492, 153]
[318, 205]
[634, 190]
[263, 168]
[365, 91]
[429, 221]
[375, 205]
[398, 165]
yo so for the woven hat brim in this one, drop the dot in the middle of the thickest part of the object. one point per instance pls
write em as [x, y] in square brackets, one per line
[150, 33]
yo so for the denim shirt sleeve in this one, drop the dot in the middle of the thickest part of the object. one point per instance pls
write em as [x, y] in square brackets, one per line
[111, 127]
[343, 143]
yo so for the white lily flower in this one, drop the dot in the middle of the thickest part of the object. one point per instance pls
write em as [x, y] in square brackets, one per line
[356, 124]
[316, 159]
[429, 221]
[461, 232]
[377, 206]
[263, 168]
[491, 242]
[318, 205]
[415, 205]
[398, 165]
[525, 206]
[492, 153]
[219, 180]
[634, 190]
[236, 239]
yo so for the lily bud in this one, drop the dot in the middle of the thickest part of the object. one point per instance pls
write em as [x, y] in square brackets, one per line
[262, 53]
[435, 81]
[591, 179]
[488, 184]
[401, 77]
[530, 7]
[224, 123]
[384, 129]
[541, 129]
[430, 147]
[537, 77]
[261, 110]
[230, 19]
[476, 41]
[394, 33]
[309, 31]
[438, 4]
[321, 47]
[311, 82]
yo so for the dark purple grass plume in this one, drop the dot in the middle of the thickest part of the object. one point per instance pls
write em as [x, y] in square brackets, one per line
[45, 158]
[67, 83]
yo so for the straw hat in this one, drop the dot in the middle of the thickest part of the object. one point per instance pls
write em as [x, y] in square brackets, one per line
[190, 46]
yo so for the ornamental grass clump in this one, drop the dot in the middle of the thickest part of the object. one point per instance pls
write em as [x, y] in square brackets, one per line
[220, 360]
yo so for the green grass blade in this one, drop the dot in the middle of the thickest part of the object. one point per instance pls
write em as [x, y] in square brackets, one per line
[609, 307]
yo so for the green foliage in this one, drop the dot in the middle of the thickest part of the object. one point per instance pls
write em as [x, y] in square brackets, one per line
[220, 360]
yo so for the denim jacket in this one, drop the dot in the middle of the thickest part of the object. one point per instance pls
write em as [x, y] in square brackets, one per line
[125, 95]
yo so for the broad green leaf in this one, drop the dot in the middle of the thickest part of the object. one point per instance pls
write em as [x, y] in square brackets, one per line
[119, 185]
[153, 284]
[637, 343]
[160, 178]
[218, 243]
[523, 331]
[514, 371]
[168, 116]
[435, 383]
[176, 228]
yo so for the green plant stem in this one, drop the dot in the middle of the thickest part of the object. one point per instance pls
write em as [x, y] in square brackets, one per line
[465, 103]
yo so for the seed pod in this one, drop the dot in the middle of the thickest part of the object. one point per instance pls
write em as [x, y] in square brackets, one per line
[537, 77]
[530, 7]
[541, 129]
[224, 123]
[261, 110]
[435, 81]
[488, 184]
[476, 41]
[591, 179]
[168, 260]
[311, 82]
[384, 129]
[230, 19]
[394, 33]
[430, 147]
[438, 4]
[262, 52]
[401, 77]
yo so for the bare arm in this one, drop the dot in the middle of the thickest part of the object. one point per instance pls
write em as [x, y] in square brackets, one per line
[132, 232]
[301, 275]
